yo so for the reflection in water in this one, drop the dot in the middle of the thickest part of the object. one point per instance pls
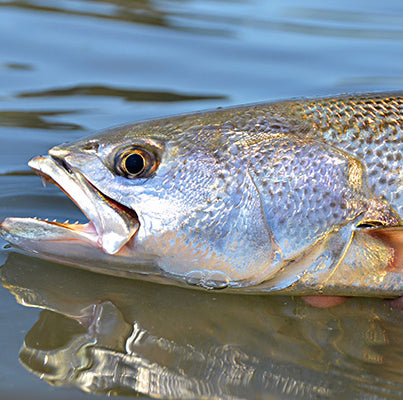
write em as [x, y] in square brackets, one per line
[36, 119]
[180, 16]
[19, 66]
[110, 335]
[138, 11]
[124, 94]
[42, 119]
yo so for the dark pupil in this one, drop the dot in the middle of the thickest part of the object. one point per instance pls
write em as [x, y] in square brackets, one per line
[134, 164]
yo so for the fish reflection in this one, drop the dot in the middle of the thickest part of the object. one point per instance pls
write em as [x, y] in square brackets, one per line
[114, 336]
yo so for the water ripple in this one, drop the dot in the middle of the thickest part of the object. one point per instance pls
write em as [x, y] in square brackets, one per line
[125, 94]
[40, 119]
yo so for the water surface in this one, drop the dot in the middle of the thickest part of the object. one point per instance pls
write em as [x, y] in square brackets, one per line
[68, 68]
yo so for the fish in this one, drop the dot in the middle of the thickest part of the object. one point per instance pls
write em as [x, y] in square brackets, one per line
[300, 196]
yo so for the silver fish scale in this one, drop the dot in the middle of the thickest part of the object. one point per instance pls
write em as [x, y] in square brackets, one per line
[306, 190]
[368, 128]
[382, 157]
[371, 129]
[233, 219]
[316, 164]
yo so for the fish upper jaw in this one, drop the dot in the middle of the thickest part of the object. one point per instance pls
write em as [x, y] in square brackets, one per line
[111, 225]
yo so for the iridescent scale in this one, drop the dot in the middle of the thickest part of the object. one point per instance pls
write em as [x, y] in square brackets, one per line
[370, 128]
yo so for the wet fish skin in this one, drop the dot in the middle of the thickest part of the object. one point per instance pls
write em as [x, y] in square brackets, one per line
[266, 197]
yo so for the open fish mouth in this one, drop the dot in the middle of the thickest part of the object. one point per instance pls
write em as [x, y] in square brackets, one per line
[111, 225]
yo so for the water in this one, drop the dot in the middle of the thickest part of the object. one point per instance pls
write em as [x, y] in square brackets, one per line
[68, 68]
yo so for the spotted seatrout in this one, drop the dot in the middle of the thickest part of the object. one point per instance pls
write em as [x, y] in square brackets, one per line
[301, 196]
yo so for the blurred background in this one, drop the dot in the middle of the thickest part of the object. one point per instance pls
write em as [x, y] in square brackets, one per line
[69, 67]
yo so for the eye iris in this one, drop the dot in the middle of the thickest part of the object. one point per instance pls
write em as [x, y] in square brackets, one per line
[134, 163]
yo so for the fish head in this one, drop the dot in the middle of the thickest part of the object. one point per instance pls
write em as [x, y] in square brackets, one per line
[176, 198]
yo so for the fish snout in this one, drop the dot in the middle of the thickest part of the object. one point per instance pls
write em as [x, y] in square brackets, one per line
[59, 152]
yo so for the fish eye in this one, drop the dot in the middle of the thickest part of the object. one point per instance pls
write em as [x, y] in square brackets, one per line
[135, 163]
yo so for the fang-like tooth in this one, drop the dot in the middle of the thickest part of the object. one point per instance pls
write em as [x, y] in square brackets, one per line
[66, 222]
[76, 222]
[54, 220]
[43, 181]
[46, 219]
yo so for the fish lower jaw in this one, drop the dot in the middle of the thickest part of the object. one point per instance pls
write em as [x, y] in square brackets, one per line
[34, 233]
[22, 232]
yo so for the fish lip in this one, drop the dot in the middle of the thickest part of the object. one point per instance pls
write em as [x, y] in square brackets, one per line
[111, 225]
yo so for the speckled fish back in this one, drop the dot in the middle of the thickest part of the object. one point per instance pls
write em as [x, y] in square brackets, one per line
[369, 127]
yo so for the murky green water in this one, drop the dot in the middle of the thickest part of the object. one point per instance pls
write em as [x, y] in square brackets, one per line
[70, 67]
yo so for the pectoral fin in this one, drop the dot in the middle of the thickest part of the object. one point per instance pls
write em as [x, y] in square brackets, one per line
[370, 266]
[373, 265]
[393, 239]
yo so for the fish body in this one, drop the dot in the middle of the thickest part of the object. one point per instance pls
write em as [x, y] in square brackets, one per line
[300, 196]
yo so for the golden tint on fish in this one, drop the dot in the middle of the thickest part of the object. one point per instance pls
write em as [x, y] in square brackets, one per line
[301, 196]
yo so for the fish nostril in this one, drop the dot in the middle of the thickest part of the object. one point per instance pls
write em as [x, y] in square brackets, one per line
[91, 146]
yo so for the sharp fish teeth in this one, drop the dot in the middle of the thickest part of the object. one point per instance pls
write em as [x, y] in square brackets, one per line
[43, 181]
[54, 220]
